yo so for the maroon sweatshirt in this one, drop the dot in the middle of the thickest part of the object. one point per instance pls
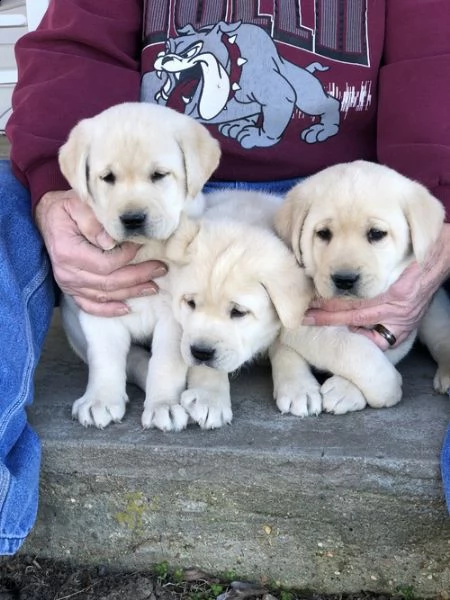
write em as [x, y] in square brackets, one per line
[288, 87]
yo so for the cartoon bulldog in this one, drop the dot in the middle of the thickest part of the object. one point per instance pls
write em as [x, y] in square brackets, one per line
[231, 75]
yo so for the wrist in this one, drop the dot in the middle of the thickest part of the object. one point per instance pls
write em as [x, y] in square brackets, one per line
[43, 206]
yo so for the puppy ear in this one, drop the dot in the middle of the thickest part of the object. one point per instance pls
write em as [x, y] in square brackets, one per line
[290, 217]
[73, 159]
[177, 247]
[425, 216]
[201, 154]
[290, 291]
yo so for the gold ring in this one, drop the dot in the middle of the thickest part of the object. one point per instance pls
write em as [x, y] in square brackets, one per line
[384, 332]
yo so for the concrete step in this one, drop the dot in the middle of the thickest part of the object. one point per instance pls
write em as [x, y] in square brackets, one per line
[332, 503]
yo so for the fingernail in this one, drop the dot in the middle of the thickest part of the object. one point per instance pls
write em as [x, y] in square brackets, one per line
[105, 241]
[308, 321]
[148, 291]
[124, 310]
[160, 271]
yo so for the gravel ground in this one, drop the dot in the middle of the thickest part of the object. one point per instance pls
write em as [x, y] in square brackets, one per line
[32, 578]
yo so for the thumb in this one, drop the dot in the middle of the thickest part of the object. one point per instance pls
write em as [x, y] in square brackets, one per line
[87, 223]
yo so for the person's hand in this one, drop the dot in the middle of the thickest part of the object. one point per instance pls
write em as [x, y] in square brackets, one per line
[400, 309]
[86, 263]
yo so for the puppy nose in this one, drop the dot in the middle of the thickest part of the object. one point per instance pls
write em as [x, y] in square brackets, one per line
[345, 280]
[133, 220]
[202, 353]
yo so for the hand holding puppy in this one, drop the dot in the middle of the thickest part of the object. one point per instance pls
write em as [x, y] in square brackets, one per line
[86, 264]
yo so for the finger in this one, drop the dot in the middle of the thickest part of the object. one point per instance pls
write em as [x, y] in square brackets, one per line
[341, 305]
[87, 222]
[355, 318]
[83, 256]
[75, 252]
[400, 335]
[99, 297]
[110, 309]
[126, 278]
[374, 336]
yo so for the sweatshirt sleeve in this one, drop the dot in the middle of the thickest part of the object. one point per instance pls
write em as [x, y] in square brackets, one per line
[413, 134]
[83, 58]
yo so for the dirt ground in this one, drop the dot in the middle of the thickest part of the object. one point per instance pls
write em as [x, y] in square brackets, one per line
[32, 578]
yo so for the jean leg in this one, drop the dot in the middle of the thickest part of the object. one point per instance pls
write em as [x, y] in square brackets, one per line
[277, 187]
[26, 305]
[445, 468]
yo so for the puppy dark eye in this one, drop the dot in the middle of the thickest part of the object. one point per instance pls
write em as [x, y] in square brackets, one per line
[190, 303]
[375, 235]
[238, 313]
[109, 178]
[324, 234]
[157, 176]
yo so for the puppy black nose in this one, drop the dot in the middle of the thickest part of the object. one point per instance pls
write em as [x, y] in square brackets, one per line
[133, 220]
[202, 353]
[345, 280]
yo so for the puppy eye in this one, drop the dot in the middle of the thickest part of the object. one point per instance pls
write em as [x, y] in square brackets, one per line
[157, 176]
[190, 302]
[375, 235]
[109, 177]
[238, 313]
[324, 234]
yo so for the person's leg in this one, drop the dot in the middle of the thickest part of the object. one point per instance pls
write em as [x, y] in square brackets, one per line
[445, 467]
[26, 305]
[280, 187]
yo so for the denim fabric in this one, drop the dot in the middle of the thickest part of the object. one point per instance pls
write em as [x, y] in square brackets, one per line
[27, 300]
[273, 187]
[445, 467]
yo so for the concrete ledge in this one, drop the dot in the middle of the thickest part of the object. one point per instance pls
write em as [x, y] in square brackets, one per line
[333, 504]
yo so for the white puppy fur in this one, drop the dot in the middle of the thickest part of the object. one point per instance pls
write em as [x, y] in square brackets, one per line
[139, 167]
[239, 284]
[355, 227]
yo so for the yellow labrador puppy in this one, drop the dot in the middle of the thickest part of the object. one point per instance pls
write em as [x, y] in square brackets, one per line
[139, 167]
[355, 227]
[238, 286]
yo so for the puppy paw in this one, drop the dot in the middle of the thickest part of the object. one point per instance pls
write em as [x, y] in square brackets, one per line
[299, 400]
[167, 417]
[206, 408]
[441, 382]
[340, 396]
[388, 390]
[94, 410]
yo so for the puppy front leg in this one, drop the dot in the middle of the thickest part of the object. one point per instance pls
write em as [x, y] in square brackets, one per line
[105, 398]
[166, 379]
[362, 372]
[295, 388]
[207, 399]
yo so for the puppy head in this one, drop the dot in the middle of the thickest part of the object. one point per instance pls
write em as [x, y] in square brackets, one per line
[356, 226]
[138, 166]
[238, 285]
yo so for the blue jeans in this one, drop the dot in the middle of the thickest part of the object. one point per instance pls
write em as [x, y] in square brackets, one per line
[272, 187]
[27, 300]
